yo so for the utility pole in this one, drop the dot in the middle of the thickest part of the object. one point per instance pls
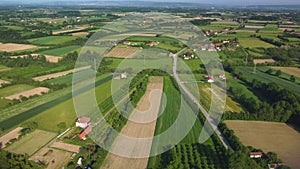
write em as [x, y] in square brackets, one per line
[254, 70]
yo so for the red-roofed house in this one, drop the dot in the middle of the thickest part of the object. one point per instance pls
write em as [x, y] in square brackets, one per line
[83, 122]
[256, 154]
[85, 132]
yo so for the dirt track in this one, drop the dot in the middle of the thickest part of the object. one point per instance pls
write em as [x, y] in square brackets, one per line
[65, 146]
[261, 61]
[10, 47]
[28, 93]
[11, 135]
[254, 27]
[80, 33]
[49, 58]
[55, 75]
[119, 52]
[138, 130]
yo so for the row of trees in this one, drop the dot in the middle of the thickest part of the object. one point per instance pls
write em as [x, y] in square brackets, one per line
[184, 156]
[239, 157]
[275, 104]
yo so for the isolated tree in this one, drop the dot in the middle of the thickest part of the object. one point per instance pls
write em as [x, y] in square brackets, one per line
[269, 71]
[278, 73]
[292, 78]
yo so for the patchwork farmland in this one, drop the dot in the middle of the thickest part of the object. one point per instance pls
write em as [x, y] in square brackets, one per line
[31, 143]
[40, 130]
[59, 74]
[120, 52]
[138, 130]
[270, 137]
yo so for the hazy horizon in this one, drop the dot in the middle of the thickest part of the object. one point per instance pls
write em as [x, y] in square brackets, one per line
[214, 2]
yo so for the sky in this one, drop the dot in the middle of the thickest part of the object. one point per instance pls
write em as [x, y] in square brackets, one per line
[216, 2]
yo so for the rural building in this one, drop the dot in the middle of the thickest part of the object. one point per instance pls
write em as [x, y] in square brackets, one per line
[83, 122]
[153, 44]
[210, 79]
[117, 77]
[127, 42]
[79, 162]
[171, 54]
[256, 154]
[124, 75]
[222, 76]
[274, 166]
[83, 134]
[188, 57]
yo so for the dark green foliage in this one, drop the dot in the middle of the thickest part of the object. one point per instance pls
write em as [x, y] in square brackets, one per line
[292, 78]
[185, 156]
[9, 161]
[278, 105]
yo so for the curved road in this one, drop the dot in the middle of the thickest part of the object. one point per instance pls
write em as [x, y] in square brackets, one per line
[213, 124]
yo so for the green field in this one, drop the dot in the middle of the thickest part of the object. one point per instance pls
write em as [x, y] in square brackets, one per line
[218, 26]
[29, 72]
[183, 154]
[61, 51]
[266, 78]
[31, 142]
[3, 68]
[254, 43]
[17, 28]
[272, 27]
[241, 86]
[51, 40]
[64, 112]
[19, 113]
[10, 90]
[238, 35]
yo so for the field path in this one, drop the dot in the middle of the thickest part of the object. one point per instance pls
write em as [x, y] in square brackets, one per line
[28, 93]
[209, 119]
[138, 130]
[59, 74]
[11, 135]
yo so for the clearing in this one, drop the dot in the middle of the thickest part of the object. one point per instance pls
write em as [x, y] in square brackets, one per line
[49, 58]
[31, 142]
[11, 135]
[262, 61]
[138, 130]
[80, 33]
[270, 137]
[120, 52]
[289, 70]
[59, 74]
[28, 93]
[11, 47]
[254, 27]
[66, 147]
[52, 158]
[3, 82]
